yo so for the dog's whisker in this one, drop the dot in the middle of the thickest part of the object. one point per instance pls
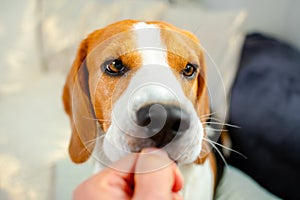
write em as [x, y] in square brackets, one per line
[217, 129]
[103, 120]
[220, 154]
[91, 142]
[207, 115]
[216, 119]
[205, 118]
[94, 140]
[96, 119]
[224, 124]
[227, 148]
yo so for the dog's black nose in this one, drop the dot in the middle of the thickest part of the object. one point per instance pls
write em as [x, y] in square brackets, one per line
[163, 122]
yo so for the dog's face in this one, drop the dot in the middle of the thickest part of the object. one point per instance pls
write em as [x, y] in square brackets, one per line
[141, 85]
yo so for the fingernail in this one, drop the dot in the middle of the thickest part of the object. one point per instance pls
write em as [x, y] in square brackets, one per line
[155, 150]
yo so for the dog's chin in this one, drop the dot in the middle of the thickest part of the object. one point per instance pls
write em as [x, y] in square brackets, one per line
[183, 150]
[180, 156]
[112, 151]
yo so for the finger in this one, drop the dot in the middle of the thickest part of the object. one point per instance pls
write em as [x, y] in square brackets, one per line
[125, 166]
[114, 182]
[178, 183]
[177, 196]
[105, 185]
[156, 175]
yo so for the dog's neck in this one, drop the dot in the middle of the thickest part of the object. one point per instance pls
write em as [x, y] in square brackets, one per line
[198, 181]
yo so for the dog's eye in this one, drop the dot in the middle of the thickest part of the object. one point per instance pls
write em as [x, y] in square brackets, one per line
[114, 67]
[189, 70]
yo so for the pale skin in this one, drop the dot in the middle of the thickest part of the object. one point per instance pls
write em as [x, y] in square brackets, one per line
[147, 175]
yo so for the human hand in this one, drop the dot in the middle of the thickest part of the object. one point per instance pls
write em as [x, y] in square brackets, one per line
[146, 175]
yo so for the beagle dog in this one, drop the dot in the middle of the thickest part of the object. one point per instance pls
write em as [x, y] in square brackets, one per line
[140, 84]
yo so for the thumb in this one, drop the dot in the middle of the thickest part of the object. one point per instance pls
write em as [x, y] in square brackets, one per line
[156, 176]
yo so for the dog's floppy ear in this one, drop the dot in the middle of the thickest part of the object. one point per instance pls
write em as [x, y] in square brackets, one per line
[203, 107]
[77, 103]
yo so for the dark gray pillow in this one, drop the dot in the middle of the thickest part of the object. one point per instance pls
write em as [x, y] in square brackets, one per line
[265, 103]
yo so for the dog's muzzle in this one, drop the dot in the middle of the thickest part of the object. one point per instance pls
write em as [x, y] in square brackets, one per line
[163, 123]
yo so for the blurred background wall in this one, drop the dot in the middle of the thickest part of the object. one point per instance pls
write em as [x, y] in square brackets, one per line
[279, 18]
[25, 25]
[39, 39]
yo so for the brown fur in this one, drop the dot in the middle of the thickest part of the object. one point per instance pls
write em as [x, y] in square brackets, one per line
[96, 93]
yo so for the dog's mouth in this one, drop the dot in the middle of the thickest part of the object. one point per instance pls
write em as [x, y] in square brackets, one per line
[159, 149]
[172, 127]
[164, 125]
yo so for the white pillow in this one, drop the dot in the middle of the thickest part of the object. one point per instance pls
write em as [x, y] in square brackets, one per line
[66, 23]
[19, 56]
[34, 133]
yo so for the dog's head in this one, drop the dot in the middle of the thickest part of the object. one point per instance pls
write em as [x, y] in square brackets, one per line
[135, 85]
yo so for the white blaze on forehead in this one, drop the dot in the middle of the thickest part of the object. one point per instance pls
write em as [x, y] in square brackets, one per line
[154, 82]
[150, 44]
